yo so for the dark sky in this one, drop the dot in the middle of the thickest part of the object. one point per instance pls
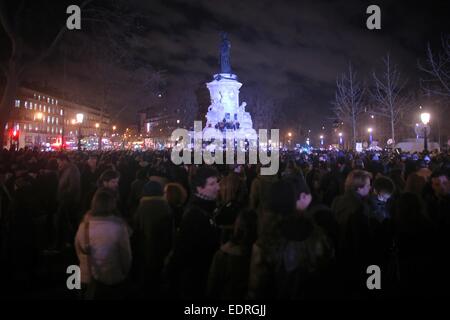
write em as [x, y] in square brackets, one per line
[292, 50]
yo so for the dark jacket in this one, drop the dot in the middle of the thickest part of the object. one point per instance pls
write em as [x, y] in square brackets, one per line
[292, 267]
[196, 243]
[152, 239]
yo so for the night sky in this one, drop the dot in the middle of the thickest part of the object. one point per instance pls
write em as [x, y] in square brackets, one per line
[291, 51]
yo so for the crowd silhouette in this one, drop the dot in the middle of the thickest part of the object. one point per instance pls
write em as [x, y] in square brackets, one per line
[141, 227]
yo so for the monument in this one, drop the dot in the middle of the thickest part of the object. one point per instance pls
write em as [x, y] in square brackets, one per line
[225, 114]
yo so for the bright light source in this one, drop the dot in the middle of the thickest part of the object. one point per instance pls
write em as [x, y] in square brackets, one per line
[369, 130]
[97, 125]
[79, 117]
[290, 134]
[372, 116]
[321, 137]
[178, 121]
[340, 134]
[425, 117]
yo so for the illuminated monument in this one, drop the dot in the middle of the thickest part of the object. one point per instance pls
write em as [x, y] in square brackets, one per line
[225, 114]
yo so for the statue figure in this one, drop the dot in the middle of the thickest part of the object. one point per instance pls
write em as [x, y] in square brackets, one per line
[225, 65]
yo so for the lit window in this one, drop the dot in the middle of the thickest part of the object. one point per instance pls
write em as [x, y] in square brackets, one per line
[26, 105]
[48, 100]
[56, 102]
[53, 120]
[44, 108]
[40, 107]
[61, 112]
[35, 106]
[36, 128]
[56, 120]
[60, 131]
[17, 103]
[48, 129]
[48, 119]
[53, 130]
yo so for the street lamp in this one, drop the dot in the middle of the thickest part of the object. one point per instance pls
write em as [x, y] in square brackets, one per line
[340, 138]
[425, 118]
[79, 120]
[370, 130]
[321, 140]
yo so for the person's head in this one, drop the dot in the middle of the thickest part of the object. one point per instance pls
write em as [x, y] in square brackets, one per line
[205, 182]
[415, 183]
[92, 161]
[63, 160]
[229, 188]
[109, 179]
[282, 198]
[409, 213]
[152, 189]
[440, 183]
[384, 188]
[104, 203]
[175, 194]
[359, 182]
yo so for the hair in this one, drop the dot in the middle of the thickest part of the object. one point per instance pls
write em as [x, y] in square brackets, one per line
[106, 176]
[409, 214]
[245, 229]
[384, 184]
[175, 194]
[201, 176]
[282, 198]
[229, 188]
[415, 184]
[356, 179]
[104, 203]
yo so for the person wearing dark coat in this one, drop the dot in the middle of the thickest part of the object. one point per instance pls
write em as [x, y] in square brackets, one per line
[198, 238]
[354, 239]
[152, 238]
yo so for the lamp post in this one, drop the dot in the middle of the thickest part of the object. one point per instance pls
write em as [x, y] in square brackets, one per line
[340, 138]
[79, 120]
[289, 139]
[321, 140]
[425, 118]
[370, 130]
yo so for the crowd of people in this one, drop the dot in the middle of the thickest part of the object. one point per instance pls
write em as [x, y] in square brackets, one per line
[141, 227]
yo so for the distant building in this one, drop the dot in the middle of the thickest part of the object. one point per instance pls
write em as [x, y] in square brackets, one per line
[42, 119]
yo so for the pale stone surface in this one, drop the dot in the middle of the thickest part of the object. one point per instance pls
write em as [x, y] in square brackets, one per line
[225, 113]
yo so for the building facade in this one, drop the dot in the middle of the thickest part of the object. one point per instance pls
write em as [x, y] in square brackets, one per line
[42, 120]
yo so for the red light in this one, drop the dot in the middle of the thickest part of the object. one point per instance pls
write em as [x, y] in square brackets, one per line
[14, 133]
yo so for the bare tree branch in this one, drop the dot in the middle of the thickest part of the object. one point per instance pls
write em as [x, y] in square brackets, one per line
[438, 70]
[347, 104]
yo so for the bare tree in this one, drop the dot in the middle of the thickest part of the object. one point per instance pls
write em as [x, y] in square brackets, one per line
[347, 105]
[106, 34]
[437, 70]
[387, 95]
